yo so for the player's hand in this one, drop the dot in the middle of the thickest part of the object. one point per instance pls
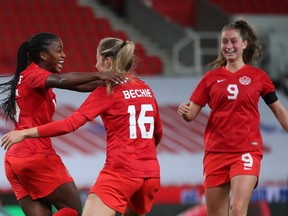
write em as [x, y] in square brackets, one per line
[183, 109]
[11, 138]
[113, 77]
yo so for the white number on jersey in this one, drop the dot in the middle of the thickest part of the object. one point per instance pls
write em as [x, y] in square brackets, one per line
[141, 121]
[248, 161]
[17, 111]
[233, 90]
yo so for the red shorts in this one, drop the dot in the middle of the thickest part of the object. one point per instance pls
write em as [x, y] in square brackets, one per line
[38, 175]
[118, 192]
[219, 168]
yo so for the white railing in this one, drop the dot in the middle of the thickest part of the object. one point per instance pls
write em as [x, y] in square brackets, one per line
[198, 52]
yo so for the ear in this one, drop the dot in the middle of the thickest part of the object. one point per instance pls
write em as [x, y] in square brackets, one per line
[43, 56]
[245, 44]
[108, 62]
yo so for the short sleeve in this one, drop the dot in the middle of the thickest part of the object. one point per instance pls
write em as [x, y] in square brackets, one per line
[200, 95]
[38, 78]
[268, 85]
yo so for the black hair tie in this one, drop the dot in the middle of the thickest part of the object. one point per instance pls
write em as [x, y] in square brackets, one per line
[123, 44]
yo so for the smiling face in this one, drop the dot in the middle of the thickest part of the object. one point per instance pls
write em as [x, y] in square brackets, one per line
[53, 59]
[232, 45]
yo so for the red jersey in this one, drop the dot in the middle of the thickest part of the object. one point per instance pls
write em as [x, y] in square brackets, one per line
[234, 121]
[35, 105]
[131, 118]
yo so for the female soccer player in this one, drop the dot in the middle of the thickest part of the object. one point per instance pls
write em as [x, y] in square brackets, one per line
[232, 140]
[131, 175]
[36, 173]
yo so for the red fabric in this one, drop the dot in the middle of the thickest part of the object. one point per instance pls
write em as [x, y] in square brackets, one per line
[176, 194]
[219, 168]
[132, 121]
[35, 106]
[264, 208]
[234, 121]
[117, 191]
[66, 212]
[38, 177]
[64, 126]
[130, 115]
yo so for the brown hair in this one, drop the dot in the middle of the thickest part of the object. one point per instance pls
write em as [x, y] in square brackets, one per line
[252, 51]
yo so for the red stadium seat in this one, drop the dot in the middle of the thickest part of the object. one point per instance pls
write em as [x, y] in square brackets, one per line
[76, 25]
[182, 14]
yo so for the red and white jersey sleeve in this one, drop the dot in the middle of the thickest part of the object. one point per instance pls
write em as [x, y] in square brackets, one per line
[234, 121]
[35, 105]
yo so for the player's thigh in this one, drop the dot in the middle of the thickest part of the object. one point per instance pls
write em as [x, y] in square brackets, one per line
[217, 200]
[242, 187]
[95, 207]
[66, 195]
[35, 207]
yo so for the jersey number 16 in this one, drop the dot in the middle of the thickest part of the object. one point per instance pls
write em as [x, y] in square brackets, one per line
[142, 121]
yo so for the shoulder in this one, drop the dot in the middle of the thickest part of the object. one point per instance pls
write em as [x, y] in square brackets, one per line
[99, 90]
[211, 75]
[34, 69]
[257, 71]
[135, 82]
[214, 72]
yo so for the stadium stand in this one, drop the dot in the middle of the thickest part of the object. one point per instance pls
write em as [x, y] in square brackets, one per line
[182, 14]
[253, 7]
[77, 25]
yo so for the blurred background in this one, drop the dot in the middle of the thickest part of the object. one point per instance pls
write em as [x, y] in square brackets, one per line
[175, 39]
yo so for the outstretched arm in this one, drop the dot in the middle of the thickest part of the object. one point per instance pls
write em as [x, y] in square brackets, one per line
[189, 111]
[280, 113]
[83, 81]
[16, 136]
[51, 129]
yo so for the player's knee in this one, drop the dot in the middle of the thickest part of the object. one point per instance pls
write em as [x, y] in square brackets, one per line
[237, 209]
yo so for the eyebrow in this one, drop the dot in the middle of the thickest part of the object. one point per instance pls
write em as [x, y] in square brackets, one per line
[231, 37]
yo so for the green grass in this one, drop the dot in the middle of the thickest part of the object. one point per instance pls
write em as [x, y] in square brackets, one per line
[13, 210]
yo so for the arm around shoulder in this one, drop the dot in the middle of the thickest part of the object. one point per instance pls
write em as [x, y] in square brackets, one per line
[83, 81]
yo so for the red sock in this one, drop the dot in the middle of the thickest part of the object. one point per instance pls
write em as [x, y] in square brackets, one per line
[66, 212]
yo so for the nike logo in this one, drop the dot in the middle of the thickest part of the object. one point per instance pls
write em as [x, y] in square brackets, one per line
[218, 81]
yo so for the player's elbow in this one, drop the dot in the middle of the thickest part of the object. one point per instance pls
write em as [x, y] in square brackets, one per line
[188, 118]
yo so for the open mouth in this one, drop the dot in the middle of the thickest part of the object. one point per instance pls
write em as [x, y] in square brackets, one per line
[60, 64]
[230, 52]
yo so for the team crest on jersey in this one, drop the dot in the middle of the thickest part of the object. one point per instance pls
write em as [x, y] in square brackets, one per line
[245, 80]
